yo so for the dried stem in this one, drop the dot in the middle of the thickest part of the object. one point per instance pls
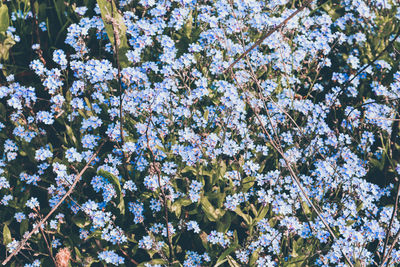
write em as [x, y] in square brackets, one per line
[127, 255]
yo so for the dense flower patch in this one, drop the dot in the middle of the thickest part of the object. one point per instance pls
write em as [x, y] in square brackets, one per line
[162, 134]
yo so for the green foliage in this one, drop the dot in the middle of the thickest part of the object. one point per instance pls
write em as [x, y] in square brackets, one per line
[6, 235]
[117, 185]
[4, 18]
[115, 28]
[209, 210]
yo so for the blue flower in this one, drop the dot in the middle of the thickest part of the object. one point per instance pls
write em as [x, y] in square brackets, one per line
[33, 203]
[60, 58]
[137, 210]
[45, 117]
[19, 216]
[111, 257]
[89, 141]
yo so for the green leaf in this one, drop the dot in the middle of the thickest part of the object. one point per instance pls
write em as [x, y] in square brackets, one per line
[188, 169]
[28, 150]
[297, 247]
[5, 46]
[212, 213]
[177, 206]
[232, 262]
[117, 185]
[223, 257]
[3, 111]
[248, 183]
[71, 134]
[262, 212]
[80, 221]
[225, 222]
[41, 11]
[78, 253]
[187, 29]
[254, 257]
[105, 8]
[111, 178]
[6, 235]
[247, 218]
[121, 205]
[60, 9]
[23, 227]
[206, 113]
[4, 18]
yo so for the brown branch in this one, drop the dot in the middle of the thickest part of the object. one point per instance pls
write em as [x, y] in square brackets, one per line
[77, 178]
[127, 255]
[265, 36]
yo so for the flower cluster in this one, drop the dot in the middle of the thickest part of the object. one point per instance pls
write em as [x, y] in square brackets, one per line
[157, 147]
